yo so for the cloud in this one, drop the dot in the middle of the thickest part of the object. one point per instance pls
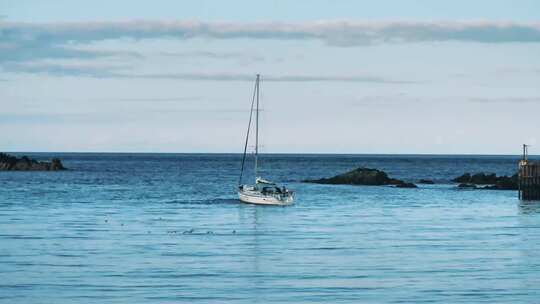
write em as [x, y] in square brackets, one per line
[88, 69]
[270, 78]
[377, 100]
[26, 41]
[94, 69]
[354, 32]
[126, 115]
[159, 99]
[214, 55]
[507, 100]
[12, 51]
[119, 71]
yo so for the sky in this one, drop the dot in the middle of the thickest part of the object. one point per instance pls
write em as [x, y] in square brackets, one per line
[340, 76]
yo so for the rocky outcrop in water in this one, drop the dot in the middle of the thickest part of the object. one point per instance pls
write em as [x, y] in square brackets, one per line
[12, 163]
[406, 185]
[490, 181]
[363, 176]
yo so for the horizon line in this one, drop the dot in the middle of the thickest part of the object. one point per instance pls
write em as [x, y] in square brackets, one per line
[270, 153]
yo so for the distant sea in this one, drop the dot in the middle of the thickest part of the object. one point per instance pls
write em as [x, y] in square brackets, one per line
[168, 228]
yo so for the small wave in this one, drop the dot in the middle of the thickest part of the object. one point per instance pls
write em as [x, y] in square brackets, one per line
[216, 201]
[292, 181]
[20, 237]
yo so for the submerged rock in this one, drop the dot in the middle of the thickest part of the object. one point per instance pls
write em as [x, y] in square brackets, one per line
[12, 163]
[406, 185]
[363, 176]
[426, 181]
[491, 180]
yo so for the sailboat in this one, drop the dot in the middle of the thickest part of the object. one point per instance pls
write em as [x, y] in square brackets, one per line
[263, 192]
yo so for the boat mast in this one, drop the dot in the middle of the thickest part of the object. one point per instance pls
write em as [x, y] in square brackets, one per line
[257, 81]
[247, 135]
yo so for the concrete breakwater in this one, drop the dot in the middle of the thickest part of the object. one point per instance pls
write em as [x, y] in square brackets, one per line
[529, 180]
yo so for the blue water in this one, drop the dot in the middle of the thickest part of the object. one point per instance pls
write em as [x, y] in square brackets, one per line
[111, 230]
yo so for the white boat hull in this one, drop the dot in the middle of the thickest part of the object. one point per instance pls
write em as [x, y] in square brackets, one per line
[260, 199]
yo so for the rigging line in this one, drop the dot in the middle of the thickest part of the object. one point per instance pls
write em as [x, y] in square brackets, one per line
[247, 135]
[257, 130]
[261, 121]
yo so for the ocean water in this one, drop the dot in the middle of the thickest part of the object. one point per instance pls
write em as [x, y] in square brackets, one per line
[167, 228]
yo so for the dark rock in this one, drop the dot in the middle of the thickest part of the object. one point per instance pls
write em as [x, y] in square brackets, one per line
[477, 179]
[56, 164]
[426, 181]
[12, 163]
[484, 179]
[406, 185]
[465, 178]
[492, 181]
[360, 176]
[508, 183]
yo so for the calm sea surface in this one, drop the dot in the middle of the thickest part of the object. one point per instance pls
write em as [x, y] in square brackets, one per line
[113, 230]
